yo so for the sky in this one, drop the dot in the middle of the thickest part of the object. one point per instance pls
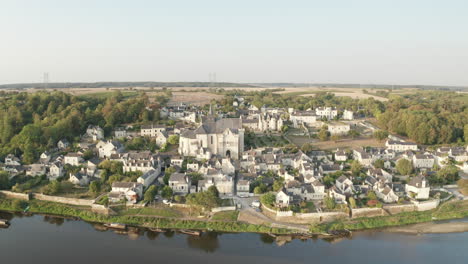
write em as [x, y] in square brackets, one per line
[248, 41]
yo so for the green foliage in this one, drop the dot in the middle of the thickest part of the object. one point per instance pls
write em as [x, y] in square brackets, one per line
[371, 195]
[4, 180]
[356, 167]
[207, 199]
[278, 184]
[166, 192]
[52, 188]
[150, 193]
[88, 154]
[19, 205]
[173, 139]
[260, 189]
[268, 199]
[448, 174]
[352, 202]
[404, 166]
[329, 202]
[307, 147]
[225, 216]
[323, 134]
[379, 164]
[380, 135]
[95, 187]
[213, 191]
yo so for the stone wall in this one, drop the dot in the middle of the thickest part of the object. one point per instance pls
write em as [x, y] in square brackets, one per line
[399, 208]
[57, 199]
[14, 195]
[367, 212]
[223, 208]
[426, 205]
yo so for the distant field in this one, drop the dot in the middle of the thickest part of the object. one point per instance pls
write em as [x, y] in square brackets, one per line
[191, 98]
[356, 93]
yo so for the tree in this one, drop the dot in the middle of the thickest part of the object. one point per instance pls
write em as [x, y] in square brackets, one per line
[404, 167]
[95, 187]
[329, 202]
[88, 154]
[448, 174]
[356, 167]
[268, 199]
[167, 174]
[260, 189]
[173, 139]
[150, 193]
[352, 202]
[212, 190]
[206, 199]
[166, 192]
[52, 188]
[278, 184]
[323, 134]
[371, 195]
[335, 138]
[465, 132]
[353, 133]
[4, 181]
[307, 147]
[379, 164]
[380, 135]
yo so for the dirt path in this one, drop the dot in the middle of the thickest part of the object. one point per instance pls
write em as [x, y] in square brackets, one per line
[431, 228]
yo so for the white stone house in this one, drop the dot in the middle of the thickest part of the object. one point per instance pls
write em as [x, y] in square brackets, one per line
[151, 130]
[161, 138]
[243, 186]
[418, 185]
[73, 159]
[131, 191]
[148, 177]
[348, 115]
[79, 179]
[423, 161]
[120, 132]
[337, 128]
[298, 118]
[55, 170]
[340, 155]
[12, 160]
[107, 148]
[34, 170]
[180, 183]
[95, 132]
[283, 199]
[401, 146]
[177, 161]
[63, 144]
[326, 112]
[45, 157]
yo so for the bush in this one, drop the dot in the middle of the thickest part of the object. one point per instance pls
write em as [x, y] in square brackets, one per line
[19, 204]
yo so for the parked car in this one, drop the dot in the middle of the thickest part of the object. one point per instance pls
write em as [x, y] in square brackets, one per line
[255, 204]
[165, 201]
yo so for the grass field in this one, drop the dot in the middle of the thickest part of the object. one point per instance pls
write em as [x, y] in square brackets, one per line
[226, 216]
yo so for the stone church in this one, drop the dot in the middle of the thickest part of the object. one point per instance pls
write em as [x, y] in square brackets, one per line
[222, 137]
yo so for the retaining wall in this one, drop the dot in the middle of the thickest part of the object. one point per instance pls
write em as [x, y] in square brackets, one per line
[57, 199]
[223, 208]
[367, 212]
[14, 195]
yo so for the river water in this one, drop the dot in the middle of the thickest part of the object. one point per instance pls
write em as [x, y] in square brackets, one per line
[41, 239]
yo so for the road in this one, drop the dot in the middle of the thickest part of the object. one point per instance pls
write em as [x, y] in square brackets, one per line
[250, 215]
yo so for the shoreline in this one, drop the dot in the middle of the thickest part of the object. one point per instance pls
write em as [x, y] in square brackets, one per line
[411, 223]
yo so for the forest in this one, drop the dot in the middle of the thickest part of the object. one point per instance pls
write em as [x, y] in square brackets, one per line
[34, 122]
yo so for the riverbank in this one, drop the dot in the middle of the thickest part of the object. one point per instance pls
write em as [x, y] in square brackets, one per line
[431, 228]
[85, 214]
[446, 211]
[449, 210]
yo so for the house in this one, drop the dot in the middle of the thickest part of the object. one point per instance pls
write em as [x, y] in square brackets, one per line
[107, 148]
[400, 146]
[73, 159]
[387, 195]
[330, 168]
[340, 155]
[45, 157]
[139, 161]
[338, 128]
[120, 132]
[94, 132]
[300, 118]
[418, 187]
[348, 115]
[180, 183]
[193, 167]
[326, 112]
[243, 187]
[79, 178]
[177, 161]
[363, 157]
[63, 144]
[152, 130]
[34, 170]
[283, 198]
[12, 160]
[55, 170]
[161, 138]
[423, 161]
[131, 191]
[148, 178]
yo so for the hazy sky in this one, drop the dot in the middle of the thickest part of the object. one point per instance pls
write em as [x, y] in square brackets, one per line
[352, 41]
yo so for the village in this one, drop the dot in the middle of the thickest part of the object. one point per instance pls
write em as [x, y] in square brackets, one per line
[205, 151]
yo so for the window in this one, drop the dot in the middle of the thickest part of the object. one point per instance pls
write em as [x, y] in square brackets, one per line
[211, 139]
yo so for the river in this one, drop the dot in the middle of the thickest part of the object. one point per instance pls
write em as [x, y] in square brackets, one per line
[41, 239]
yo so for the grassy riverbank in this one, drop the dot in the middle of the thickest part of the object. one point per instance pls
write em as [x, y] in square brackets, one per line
[449, 210]
[85, 213]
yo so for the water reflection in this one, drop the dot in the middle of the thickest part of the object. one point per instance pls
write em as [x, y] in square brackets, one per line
[58, 221]
[207, 242]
